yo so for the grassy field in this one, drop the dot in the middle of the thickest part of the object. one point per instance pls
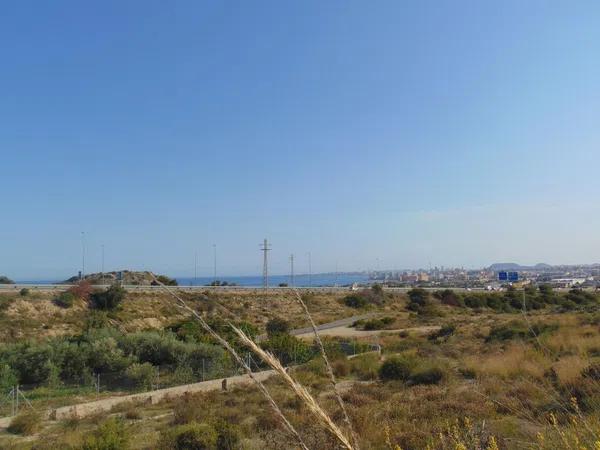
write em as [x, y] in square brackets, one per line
[492, 376]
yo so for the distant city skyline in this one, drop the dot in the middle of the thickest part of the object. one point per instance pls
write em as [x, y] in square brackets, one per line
[390, 134]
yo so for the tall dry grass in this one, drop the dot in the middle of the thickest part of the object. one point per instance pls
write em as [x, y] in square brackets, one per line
[300, 390]
[329, 370]
[183, 305]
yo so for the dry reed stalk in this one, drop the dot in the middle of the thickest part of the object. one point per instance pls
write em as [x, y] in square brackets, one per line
[182, 304]
[329, 371]
[300, 390]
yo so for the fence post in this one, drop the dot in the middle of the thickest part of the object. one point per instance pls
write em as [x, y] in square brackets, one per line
[12, 401]
[98, 383]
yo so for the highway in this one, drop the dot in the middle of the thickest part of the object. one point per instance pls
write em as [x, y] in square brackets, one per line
[140, 288]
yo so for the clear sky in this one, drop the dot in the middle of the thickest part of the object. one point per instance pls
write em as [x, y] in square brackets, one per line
[388, 133]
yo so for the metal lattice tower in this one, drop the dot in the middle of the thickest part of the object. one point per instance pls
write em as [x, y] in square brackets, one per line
[265, 249]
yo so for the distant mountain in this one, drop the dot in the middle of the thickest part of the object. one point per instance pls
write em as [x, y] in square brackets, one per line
[496, 267]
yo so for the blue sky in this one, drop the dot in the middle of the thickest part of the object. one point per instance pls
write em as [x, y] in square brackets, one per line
[452, 132]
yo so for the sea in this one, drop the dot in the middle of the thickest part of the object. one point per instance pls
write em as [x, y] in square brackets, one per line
[316, 280]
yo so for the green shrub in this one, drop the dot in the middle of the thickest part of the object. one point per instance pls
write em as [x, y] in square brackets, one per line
[429, 375]
[191, 436]
[96, 319]
[288, 349]
[228, 436]
[355, 301]
[449, 297]
[111, 435]
[397, 368]
[108, 299]
[142, 375]
[65, 300]
[24, 292]
[26, 423]
[277, 326]
[373, 324]
[516, 329]
[443, 333]
[8, 378]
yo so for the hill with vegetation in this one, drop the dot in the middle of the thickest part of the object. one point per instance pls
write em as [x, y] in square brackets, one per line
[127, 277]
[5, 280]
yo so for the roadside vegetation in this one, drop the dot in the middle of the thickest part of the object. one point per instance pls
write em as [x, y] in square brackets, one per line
[503, 370]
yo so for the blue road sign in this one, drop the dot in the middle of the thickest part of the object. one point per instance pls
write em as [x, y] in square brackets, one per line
[503, 276]
[513, 276]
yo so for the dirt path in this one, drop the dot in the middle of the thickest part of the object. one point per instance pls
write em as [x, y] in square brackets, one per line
[345, 331]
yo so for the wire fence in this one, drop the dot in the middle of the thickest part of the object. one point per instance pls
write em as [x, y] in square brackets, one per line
[146, 377]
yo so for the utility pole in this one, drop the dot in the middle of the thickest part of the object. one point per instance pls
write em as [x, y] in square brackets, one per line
[292, 270]
[215, 261]
[102, 246]
[82, 255]
[265, 249]
[309, 270]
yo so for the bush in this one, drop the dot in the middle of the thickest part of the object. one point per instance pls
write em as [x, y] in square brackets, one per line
[65, 299]
[81, 290]
[191, 436]
[373, 324]
[277, 326]
[288, 349]
[228, 436]
[516, 329]
[8, 378]
[26, 423]
[108, 299]
[142, 375]
[355, 301]
[397, 368]
[430, 375]
[443, 333]
[449, 297]
[24, 292]
[111, 435]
